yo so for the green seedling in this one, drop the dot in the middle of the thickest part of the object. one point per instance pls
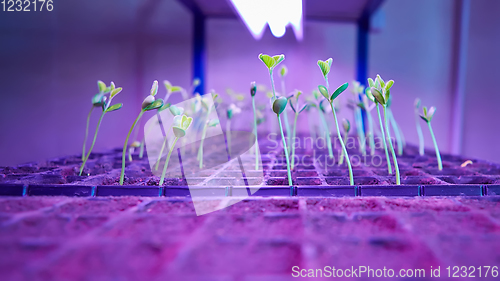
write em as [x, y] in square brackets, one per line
[253, 91]
[358, 117]
[151, 125]
[297, 109]
[419, 129]
[208, 123]
[175, 111]
[398, 133]
[180, 126]
[381, 93]
[358, 92]
[321, 113]
[279, 104]
[325, 66]
[97, 101]
[231, 111]
[148, 104]
[370, 96]
[368, 107]
[100, 100]
[173, 89]
[347, 127]
[427, 117]
[283, 73]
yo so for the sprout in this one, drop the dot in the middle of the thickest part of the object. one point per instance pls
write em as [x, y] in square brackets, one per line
[233, 109]
[367, 107]
[347, 127]
[321, 112]
[325, 69]
[419, 129]
[427, 117]
[180, 126]
[278, 104]
[283, 73]
[395, 128]
[173, 89]
[100, 100]
[297, 109]
[381, 94]
[358, 117]
[208, 123]
[148, 104]
[253, 91]
[131, 149]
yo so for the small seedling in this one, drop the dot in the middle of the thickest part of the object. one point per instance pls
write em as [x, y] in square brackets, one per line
[398, 133]
[427, 117]
[97, 101]
[325, 66]
[175, 111]
[321, 112]
[208, 123]
[106, 107]
[131, 149]
[253, 91]
[148, 104]
[283, 73]
[173, 89]
[367, 107]
[232, 109]
[358, 117]
[296, 109]
[381, 93]
[180, 126]
[279, 105]
[370, 96]
[419, 129]
[347, 127]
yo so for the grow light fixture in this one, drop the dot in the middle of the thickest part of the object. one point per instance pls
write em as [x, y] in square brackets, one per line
[277, 13]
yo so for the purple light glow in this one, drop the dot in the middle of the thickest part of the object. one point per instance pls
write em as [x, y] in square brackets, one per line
[278, 14]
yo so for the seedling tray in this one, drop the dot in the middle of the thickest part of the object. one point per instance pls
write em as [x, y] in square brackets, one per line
[311, 177]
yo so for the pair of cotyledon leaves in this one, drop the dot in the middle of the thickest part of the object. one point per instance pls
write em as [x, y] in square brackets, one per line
[324, 91]
[271, 62]
[181, 124]
[150, 103]
[296, 96]
[428, 114]
[100, 99]
[379, 91]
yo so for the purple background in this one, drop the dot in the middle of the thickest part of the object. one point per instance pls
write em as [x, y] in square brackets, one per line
[50, 62]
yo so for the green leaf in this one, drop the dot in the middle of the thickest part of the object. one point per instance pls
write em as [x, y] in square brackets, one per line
[321, 107]
[154, 88]
[168, 85]
[431, 112]
[278, 59]
[417, 103]
[268, 61]
[115, 92]
[424, 118]
[213, 123]
[381, 81]
[389, 84]
[147, 101]
[315, 94]
[369, 94]
[253, 89]
[304, 108]
[425, 111]
[279, 105]
[339, 91]
[156, 104]
[346, 124]
[175, 110]
[378, 96]
[101, 85]
[291, 105]
[179, 132]
[325, 66]
[387, 95]
[283, 71]
[114, 107]
[112, 86]
[165, 106]
[322, 89]
[175, 89]
[98, 99]
[371, 83]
